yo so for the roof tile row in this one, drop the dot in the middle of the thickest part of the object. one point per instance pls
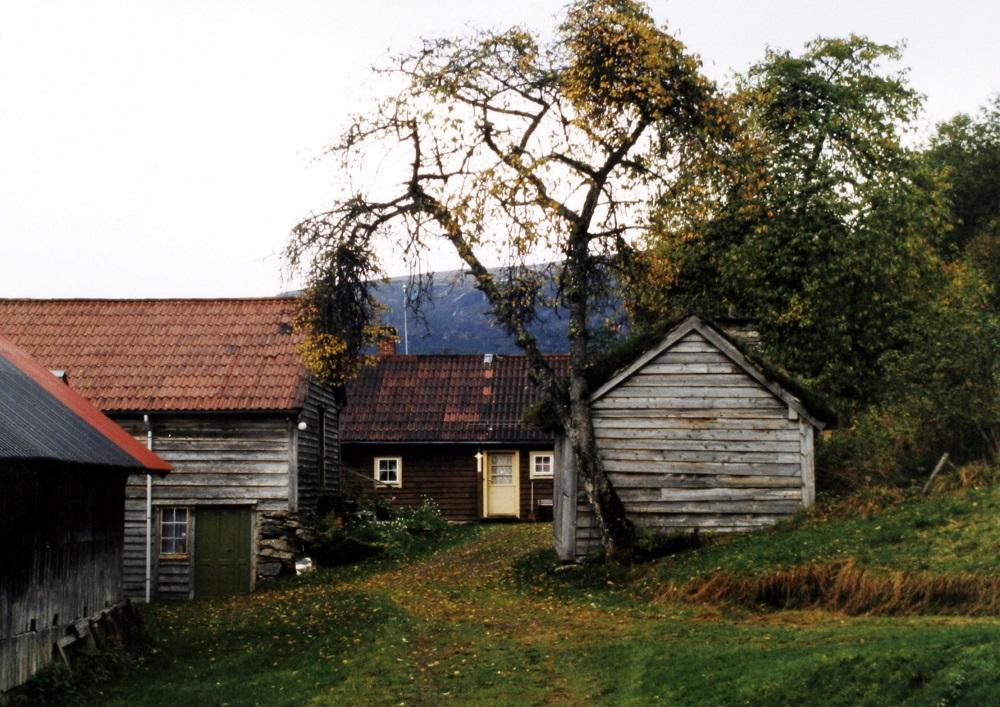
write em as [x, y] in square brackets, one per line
[447, 398]
[168, 354]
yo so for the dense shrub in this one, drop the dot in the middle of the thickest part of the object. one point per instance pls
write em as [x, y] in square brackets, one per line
[376, 529]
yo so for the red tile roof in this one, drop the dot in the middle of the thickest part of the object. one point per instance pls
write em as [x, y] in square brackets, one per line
[42, 418]
[447, 398]
[171, 354]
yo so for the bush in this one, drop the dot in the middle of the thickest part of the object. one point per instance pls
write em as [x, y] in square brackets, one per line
[940, 394]
[378, 529]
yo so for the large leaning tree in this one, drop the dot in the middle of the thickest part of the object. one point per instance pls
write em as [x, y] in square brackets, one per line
[501, 144]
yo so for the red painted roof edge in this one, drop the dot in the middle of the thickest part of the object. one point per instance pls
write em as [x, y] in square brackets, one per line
[81, 408]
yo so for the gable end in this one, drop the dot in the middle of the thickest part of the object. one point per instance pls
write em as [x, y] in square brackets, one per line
[725, 348]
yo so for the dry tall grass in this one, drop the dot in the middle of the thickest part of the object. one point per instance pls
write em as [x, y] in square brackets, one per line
[843, 586]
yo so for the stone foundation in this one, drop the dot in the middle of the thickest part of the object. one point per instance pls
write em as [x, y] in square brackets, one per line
[281, 539]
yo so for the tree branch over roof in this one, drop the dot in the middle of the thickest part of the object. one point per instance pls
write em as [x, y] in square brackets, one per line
[502, 146]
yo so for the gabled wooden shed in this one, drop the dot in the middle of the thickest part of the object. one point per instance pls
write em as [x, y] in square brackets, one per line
[694, 437]
[63, 470]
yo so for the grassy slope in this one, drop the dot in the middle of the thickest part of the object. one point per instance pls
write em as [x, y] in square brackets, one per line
[486, 621]
[943, 533]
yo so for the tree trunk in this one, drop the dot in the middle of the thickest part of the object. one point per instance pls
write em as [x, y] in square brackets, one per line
[617, 533]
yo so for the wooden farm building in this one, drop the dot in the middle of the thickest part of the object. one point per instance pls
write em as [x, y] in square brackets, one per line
[217, 388]
[694, 437]
[63, 469]
[449, 428]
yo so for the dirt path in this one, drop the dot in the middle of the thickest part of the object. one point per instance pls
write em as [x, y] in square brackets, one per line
[474, 598]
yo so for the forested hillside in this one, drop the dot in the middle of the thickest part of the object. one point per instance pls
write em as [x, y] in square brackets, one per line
[456, 318]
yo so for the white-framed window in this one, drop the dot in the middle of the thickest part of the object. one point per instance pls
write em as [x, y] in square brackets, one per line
[174, 531]
[389, 470]
[541, 464]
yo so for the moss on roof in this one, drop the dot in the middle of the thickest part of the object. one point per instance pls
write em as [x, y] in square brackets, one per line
[615, 359]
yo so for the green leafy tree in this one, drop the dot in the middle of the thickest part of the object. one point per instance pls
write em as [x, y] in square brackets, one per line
[968, 150]
[831, 252]
[498, 143]
[945, 390]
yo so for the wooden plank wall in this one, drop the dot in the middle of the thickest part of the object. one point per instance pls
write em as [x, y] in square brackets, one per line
[691, 441]
[308, 486]
[443, 472]
[565, 504]
[221, 459]
[60, 558]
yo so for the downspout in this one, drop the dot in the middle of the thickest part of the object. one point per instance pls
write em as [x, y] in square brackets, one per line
[149, 510]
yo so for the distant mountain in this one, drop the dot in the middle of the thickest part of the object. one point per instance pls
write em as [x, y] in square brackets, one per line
[458, 319]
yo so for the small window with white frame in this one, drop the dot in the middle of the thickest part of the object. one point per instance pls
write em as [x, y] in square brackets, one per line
[389, 470]
[174, 531]
[541, 464]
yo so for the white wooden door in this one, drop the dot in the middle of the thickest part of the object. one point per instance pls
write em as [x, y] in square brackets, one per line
[502, 485]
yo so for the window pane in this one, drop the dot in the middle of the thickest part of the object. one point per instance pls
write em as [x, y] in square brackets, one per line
[388, 470]
[173, 531]
[502, 469]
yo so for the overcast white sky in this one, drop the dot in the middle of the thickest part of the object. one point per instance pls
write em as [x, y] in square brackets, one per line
[166, 148]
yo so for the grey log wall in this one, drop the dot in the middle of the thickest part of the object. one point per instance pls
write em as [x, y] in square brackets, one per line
[691, 441]
[60, 560]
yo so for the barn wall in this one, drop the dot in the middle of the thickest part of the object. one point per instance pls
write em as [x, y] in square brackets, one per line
[309, 484]
[444, 472]
[692, 442]
[221, 460]
[61, 558]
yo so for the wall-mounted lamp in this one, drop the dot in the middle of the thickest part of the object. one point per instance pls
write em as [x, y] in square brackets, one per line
[302, 426]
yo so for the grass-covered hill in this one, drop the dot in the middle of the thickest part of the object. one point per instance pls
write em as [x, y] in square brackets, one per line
[480, 615]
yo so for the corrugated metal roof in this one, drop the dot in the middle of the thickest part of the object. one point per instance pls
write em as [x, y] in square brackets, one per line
[42, 418]
[446, 398]
[166, 354]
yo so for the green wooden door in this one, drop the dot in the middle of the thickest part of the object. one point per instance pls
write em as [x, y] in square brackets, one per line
[221, 552]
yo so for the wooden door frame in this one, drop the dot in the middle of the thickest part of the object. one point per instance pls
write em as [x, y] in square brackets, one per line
[516, 453]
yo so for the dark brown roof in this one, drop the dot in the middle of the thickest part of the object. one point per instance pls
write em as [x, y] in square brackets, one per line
[43, 420]
[171, 354]
[447, 398]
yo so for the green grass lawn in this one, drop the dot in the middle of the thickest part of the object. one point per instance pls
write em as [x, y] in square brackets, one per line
[484, 619]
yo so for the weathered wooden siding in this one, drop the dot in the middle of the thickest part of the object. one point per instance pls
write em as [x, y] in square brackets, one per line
[692, 442]
[444, 472]
[60, 558]
[221, 459]
[309, 486]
